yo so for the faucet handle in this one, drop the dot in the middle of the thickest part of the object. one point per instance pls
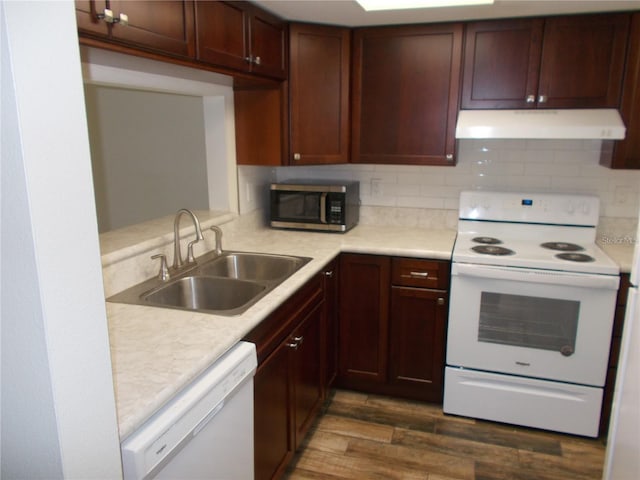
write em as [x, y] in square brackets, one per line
[190, 257]
[164, 268]
[218, 231]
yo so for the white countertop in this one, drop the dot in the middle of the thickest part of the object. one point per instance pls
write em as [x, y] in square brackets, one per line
[155, 352]
[621, 253]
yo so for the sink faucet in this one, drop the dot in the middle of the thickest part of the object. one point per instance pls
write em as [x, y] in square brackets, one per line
[177, 256]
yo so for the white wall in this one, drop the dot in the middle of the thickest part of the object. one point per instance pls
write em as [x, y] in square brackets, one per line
[542, 165]
[148, 154]
[58, 410]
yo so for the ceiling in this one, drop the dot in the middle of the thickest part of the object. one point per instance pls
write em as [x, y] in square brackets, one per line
[349, 13]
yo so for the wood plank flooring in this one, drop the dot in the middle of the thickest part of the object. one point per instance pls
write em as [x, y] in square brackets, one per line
[362, 436]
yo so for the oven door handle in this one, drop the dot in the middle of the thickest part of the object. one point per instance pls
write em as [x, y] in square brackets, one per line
[517, 274]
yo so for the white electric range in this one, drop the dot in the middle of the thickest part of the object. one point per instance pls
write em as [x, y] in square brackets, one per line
[531, 311]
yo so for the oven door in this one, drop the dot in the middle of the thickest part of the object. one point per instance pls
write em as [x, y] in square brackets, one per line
[534, 323]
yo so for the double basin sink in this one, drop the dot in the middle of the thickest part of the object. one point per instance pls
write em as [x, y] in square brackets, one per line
[226, 284]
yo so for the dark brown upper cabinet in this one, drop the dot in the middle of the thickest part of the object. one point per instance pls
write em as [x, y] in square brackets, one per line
[319, 63]
[626, 153]
[501, 63]
[405, 94]
[163, 26]
[240, 36]
[557, 62]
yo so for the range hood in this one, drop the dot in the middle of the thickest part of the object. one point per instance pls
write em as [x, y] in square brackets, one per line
[602, 123]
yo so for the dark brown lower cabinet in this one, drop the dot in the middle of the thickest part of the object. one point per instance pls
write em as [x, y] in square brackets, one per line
[393, 314]
[331, 275]
[288, 385]
[271, 415]
[614, 353]
[306, 379]
[416, 342]
[364, 319]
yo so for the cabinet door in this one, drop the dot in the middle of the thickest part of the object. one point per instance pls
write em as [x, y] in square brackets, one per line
[417, 339]
[87, 17]
[364, 310]
[583, 61]
[331, 276]
[305, 345]
[267, 44]
[260, 134]
[164, 25]
[319, 94]
[272, 427]
[501, 64]
[221, 35]
[626, 153]
[405, 94]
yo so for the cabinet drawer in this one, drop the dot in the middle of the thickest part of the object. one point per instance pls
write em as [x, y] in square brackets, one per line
[410, 272]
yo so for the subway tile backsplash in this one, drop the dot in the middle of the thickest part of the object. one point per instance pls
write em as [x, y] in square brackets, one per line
[567, 166]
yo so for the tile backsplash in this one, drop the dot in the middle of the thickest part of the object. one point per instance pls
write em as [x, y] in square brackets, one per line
[566, 166]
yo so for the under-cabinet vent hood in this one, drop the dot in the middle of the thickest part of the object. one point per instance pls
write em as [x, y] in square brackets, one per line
[549, 124]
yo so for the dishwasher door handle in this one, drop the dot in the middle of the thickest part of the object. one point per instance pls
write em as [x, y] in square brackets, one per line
[203, 423]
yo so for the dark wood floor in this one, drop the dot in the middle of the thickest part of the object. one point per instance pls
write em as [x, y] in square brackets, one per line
[373, 437]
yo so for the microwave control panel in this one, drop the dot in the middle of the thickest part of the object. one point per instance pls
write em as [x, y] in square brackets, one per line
[334, 213]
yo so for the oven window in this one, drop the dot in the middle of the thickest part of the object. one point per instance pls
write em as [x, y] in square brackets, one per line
[534, 322]
[299, 206]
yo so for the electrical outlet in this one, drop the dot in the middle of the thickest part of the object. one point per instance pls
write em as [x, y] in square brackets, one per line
[376, 187]
[622, 194]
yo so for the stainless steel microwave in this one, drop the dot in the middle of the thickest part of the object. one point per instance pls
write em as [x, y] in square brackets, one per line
[315, 205]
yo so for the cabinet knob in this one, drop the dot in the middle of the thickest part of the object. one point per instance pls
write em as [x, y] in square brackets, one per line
[449, 157]
[328, 273]
[297, 156]
[295, 342]
[440, 301]
[542, 99]
[531, 98]
[123, 19]
[106, 15]
[248, 59]
[257, 60]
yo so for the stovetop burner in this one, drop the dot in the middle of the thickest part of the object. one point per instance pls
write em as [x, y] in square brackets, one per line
[562, 246]
[487, 240]
[492, 250]
[575, 257]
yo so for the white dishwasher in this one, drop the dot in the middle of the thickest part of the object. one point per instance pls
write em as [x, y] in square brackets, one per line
[205, 432]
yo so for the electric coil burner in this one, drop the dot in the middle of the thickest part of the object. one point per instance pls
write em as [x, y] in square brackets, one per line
[492, 250]
[562, 246]
[487, 240]
[530, 312]
[575, 257]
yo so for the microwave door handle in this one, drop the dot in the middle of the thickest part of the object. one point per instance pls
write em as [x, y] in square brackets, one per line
[323, 207]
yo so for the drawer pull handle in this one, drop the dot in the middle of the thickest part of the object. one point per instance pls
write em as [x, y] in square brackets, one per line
[416, 275]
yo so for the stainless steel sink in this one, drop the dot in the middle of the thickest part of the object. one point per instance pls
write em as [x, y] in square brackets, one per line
[205, 293]
[226, 284]
[253, 266]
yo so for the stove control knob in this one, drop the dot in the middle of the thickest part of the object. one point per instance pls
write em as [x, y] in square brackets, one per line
[571, 208]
